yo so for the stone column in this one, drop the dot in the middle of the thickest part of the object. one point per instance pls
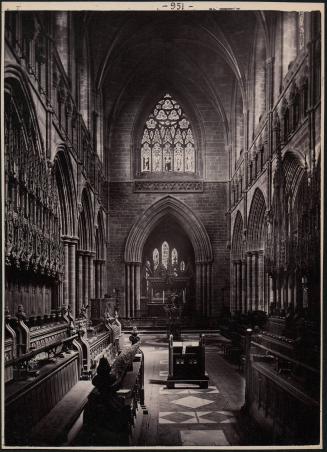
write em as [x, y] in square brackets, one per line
[198, 277]
[270, 291]
[66, 272]
[79, 298]
[249, 282]
[72, 277]
[278, 290]
[238, 291]
[260, 281]
[255, 280]
[234, 296]
[85, 278]
[102, 274]
[127, 290]
[91, 263]
[96, 277]
[132, 307]
[138, 287]
[202, 290]
[209, 289]
[243, 266]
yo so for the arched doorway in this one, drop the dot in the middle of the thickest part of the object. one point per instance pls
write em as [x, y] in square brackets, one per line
[168, 210]
[168, 266]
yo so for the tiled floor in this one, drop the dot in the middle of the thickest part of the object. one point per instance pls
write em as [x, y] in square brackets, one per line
[188, 415]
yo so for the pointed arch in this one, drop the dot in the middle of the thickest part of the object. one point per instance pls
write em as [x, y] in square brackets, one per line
[256, 222]
[15, 83]
[100, 237]
[85, 224]
[66, 190]
[237, 240]
[183, 215]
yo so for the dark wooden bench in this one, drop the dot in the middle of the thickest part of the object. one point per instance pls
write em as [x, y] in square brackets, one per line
[55, 427]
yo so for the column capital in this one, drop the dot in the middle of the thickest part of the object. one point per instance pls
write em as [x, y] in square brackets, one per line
[88, 253]
[69, 239]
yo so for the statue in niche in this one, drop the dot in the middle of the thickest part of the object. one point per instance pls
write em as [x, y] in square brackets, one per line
[168, 163]
[146, 164]
[156, 162]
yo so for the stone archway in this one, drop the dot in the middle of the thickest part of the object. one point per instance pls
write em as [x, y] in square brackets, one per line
[200, 241]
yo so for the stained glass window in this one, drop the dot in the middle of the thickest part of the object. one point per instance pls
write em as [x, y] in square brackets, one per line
[182, 266]
[167, 144]
[165, 254]
[174, 257]
[155, 258]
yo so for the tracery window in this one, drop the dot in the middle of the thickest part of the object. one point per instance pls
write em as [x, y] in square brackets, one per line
[165, 254]
[167, 143]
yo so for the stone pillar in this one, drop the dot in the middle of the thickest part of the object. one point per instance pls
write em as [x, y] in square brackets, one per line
[244, 304]
[102, 273]
[79, 298]
[66, 272]
[127, 290]
[198, 277]
[291, 289]
[96, 264]
[138, 287]
[255, 281]
[278, 290]
[261, 304]
[204, 287]
[72, 277]
[240, 285]
[249, 282]
[234, 306]
[209, 289]
[270, 292]
[91, 264]
[132, 290]
[85, 278]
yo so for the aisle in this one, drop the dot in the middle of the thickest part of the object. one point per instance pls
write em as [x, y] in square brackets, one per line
[189, 416]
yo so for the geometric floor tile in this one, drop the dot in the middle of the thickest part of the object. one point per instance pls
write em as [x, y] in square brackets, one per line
[203, 419]
[203, 438]
[180, 417]
[211, 390]
[192, 402]
[221, 417]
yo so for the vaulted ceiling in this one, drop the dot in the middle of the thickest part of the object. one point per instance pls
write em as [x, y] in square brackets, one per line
[198, 52]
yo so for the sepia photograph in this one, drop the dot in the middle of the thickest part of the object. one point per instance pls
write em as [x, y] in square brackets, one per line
[161, 169]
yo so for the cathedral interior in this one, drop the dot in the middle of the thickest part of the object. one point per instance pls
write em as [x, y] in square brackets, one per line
[162, 228]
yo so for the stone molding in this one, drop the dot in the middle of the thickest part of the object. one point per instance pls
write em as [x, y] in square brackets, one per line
[168, 186]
